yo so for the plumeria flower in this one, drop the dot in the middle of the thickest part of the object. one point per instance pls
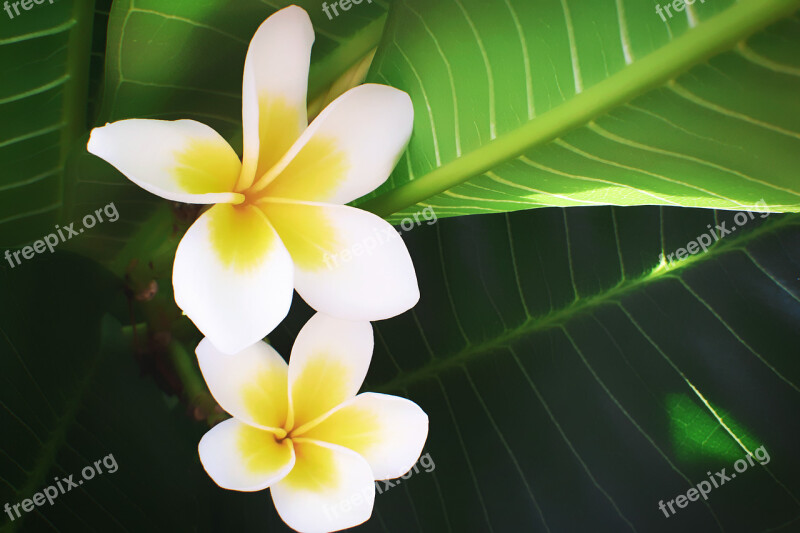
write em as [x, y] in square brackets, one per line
[279, 222]
[300, 429]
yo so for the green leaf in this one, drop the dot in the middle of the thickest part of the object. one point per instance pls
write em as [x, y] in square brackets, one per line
[697, 433]
[572, 381]
[69, 398]
[45, 58]
[525, 104]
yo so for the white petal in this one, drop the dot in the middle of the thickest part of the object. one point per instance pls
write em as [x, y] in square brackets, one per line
[349, 149]
[240, 457]
[330, 488]
[329, 361]
[274, 90]
[251, 385]
[180, 160]
[388, 431]
[349, 263]
[233, 276]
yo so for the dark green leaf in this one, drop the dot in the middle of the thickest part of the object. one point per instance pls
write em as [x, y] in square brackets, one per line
[571, 383]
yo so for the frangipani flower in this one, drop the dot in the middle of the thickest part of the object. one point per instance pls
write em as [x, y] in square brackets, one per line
[279, 215]
[300, 429]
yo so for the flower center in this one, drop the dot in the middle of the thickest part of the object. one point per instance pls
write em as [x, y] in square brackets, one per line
[251, 196]
[280, 434]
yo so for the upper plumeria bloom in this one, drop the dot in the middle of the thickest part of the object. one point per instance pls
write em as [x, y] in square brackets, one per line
[300, 429]
[279, 216]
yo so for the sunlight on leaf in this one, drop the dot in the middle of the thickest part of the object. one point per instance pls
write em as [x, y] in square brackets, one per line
[697, 435]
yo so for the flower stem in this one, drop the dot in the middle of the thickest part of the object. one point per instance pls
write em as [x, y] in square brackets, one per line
[194, 388]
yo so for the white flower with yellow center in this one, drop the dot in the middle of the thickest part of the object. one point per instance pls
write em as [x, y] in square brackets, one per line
[300, 429]
[279, 221]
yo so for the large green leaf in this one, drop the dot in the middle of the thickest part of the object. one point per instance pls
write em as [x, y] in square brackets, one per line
[68, 400]
[45, 57]
[525, 104]
[572, 382]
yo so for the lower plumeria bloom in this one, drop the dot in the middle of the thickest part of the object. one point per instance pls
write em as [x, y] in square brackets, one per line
[300, 429]
[279, 222]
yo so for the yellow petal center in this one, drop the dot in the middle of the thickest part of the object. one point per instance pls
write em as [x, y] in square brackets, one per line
[353, 427]
[240, 235]
[306, 231]
[314, 469]
[207, 167]
[312, 175]
[241, 239]
[262, 451]
[278, 128]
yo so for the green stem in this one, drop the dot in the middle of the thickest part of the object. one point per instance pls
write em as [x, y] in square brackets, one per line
[194, 386]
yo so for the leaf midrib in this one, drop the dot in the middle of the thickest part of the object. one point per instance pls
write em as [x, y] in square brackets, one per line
[698, 44]
[76, 88]
[559, 317]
